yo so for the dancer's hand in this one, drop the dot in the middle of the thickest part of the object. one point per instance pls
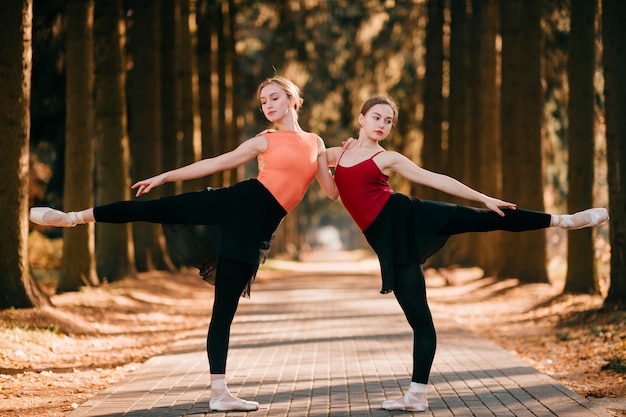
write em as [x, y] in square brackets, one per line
[495, 204]
[266, 131]
[348, 143]
[144, 186]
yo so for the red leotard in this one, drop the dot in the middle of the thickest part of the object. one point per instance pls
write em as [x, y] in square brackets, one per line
[363, 191]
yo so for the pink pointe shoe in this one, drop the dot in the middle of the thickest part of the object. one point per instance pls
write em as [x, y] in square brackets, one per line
[55, 217]
[586, 218]
[232, 404]
[410, 402]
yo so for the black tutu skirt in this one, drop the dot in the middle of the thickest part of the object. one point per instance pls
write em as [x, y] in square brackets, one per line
[407, 231]
[236, 223]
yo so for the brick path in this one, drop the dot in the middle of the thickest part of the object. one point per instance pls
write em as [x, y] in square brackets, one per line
[316, 346]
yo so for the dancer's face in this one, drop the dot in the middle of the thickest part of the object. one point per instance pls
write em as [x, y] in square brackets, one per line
[377, 122]
[275, 102]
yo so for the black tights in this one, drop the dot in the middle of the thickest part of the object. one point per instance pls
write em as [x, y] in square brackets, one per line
[410, 291]
[465, 219]
[153, 211]
[230, 281]
[410, 285]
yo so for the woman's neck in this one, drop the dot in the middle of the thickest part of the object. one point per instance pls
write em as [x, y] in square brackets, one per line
[364, 142]
[288, 124]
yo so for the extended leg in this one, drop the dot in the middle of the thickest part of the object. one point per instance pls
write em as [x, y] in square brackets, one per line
[469, 219]
[154, 211]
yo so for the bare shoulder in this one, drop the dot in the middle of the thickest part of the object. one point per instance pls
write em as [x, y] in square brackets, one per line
[333, 154]
[385, 155]
[321, 146]
[257, 143]
[393, 156]
[393, 162]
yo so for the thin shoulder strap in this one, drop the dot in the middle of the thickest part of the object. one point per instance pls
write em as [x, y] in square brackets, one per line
[339, 159]
[372, 157]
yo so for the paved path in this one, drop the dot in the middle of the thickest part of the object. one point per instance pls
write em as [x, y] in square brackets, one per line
[312, 346]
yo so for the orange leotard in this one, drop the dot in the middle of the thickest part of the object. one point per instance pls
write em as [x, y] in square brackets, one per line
[288, 165]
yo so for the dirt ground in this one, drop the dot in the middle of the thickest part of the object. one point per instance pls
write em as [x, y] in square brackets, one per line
[53, 359]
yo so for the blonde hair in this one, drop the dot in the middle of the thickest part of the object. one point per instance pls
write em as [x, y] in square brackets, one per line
[371, 102]
[287, 86]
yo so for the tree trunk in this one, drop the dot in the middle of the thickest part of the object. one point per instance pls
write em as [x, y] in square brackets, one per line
[531, 245]
[432, 146]
[79, 263]
[235, 174]
[19, 289]
[205, 12]
[614, 62]
[522, 255]
[580, 70]
[145, 128]
[189, 94]
[170, 92]
[512, 66]
[114, 247]
[432, 152]
[486, 121]
[459, 121]
[221, 140]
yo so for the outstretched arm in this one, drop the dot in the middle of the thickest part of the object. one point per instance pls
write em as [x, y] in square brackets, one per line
[324, 177]
[245, 152]
[393, 162]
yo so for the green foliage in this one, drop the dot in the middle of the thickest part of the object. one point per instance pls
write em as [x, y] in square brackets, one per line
[615, 364]
[597, 331]
[562, 336]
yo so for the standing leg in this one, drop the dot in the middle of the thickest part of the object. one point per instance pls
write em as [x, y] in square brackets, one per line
[230, 281]
[410, 291]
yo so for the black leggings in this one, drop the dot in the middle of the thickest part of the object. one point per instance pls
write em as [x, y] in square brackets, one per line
[410, 285]
[465, 219]
[230, 280]
[153, 211]
[410, 291]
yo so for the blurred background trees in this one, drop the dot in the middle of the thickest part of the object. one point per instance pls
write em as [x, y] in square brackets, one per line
[508, 96]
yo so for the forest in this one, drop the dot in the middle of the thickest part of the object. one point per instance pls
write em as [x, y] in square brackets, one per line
[521, 99]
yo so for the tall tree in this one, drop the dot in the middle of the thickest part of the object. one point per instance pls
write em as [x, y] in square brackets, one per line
[19, 289]
[221, 140]
[432, 156]
[614, 62]
[532, 244]
[510, 107]
[580, 71]
[522, 254]
[79, 263]
[232, 74]
[458, 116]
[205, 12]
[432, 151]
[171, 138]
[114, 247]
[145, 126]
[189, 91]
[485, 124]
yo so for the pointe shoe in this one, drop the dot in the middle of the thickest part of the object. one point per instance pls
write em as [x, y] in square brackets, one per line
[37, 216]
[410, 402]
[233, 404]
[587, 218]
